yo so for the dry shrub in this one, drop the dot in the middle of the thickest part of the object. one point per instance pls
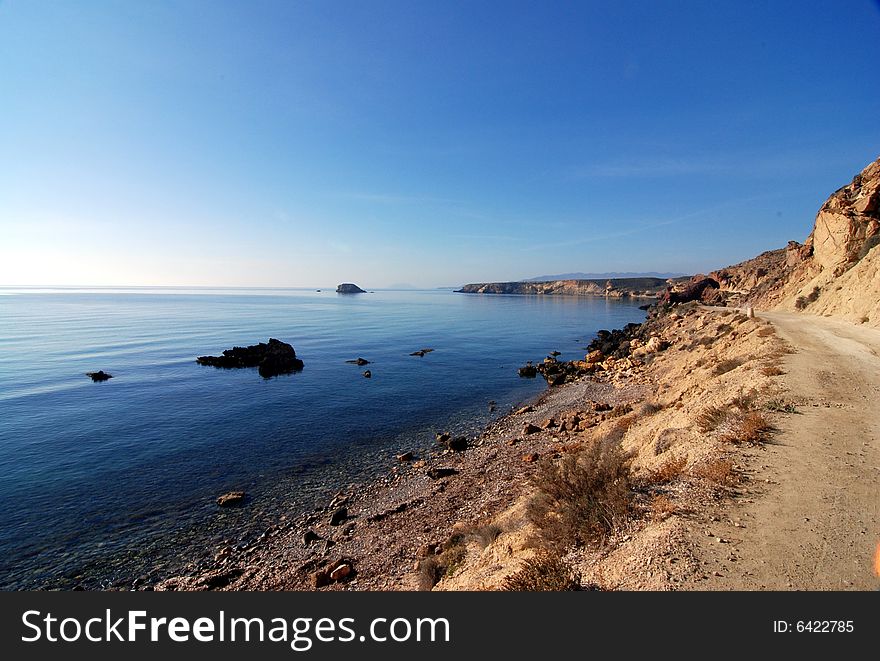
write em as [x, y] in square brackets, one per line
[669, 472]
[745, 401]
[725, 366]
[772, 370]
[430, 572]
[662, 507]
[433, 568]
[484, 535]
[649, 408]
[619, 411]
[711, 418]
[546, 572]
[751, 428]
[583, 497]
[780, 406]
[718, 471]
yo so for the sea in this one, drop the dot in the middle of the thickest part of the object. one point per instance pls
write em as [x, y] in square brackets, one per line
[104, 484]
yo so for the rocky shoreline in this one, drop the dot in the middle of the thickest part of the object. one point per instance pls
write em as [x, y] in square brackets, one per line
[382, 528]
[395, 533]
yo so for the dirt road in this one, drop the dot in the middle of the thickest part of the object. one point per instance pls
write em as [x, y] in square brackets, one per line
[815, 524]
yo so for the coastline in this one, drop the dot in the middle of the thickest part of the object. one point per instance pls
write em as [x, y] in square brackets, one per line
[393, 517]
[392, 524]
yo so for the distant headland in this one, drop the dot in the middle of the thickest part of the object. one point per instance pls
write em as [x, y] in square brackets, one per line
[612, 287]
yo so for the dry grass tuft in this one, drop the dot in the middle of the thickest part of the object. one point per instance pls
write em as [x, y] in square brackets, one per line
[745, 401]
[648, 408]
[485, 535]
[719, 471]
[546, 572]
[662, 507]
[669, 472]
[728, 365]
[780, 406]
[433, 568]
[750, 428]
[710, 418]
[583, 497]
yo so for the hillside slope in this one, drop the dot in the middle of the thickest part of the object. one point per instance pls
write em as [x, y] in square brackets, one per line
[833, 273]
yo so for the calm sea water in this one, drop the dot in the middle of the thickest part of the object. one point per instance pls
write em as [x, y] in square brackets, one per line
[102, 483]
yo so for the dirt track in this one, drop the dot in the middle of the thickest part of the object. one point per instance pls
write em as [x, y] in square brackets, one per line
[817, 523]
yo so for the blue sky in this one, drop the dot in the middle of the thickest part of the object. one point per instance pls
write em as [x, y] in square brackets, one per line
[435, 143]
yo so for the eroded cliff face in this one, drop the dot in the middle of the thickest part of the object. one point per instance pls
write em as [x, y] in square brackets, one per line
[848, 224]
[834, 272]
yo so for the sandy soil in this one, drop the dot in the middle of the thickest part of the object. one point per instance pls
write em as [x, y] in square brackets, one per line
[817, 523]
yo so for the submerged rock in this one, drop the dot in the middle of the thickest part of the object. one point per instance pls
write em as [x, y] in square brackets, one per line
[528, 371]
[359, 361]
[272, 359]
[421, 352]
[100, 375]
[231, 498]
[349, 288]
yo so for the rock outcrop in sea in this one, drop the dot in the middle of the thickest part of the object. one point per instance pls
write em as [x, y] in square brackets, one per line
[272, 358]
[349, 288]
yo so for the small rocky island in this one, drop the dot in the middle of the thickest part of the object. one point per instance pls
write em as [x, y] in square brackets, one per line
[349, 288]
[272, 359]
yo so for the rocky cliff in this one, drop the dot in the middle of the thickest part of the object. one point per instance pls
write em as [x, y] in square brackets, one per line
[834, 272]
[615, 287]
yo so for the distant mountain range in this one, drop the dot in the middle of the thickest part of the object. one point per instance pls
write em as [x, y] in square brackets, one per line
[600, 276]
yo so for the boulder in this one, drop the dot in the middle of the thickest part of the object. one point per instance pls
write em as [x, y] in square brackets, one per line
[368, 374]
[341, 572]
[528, 371]
[339, 516]
[438, 473]
[349, 288]
[272, 358]
[694, 290]
[457, 444]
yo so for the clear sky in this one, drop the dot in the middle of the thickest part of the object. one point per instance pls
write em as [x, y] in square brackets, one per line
[429, 143]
